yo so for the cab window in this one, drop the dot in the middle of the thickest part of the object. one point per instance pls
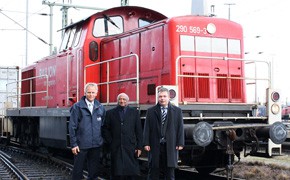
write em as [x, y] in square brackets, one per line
[70, 38]
[210, 44]
[77, 36]
[144, 22]
[65, 40]
[107, 26]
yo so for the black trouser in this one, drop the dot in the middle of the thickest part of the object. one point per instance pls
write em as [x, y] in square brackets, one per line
[92, 156]
[168, 172]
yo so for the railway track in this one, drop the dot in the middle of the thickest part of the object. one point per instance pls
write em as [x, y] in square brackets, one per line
[185, 173]
[23, 164]
[20, 164]
[7, 169]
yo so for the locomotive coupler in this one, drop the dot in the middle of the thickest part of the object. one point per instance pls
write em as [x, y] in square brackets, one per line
[231, 136]
[254, 146]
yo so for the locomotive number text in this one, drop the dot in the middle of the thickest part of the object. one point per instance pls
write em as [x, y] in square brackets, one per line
[190, 29]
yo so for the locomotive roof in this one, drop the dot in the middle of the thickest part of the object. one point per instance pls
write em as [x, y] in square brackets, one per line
[142, 12]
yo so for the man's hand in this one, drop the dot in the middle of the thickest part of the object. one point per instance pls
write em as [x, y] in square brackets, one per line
[138, 152]
[75, 150]
[147, 148]
[179, 148]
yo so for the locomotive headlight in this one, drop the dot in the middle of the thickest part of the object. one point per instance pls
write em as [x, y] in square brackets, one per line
[172, 94]
[211, 28]
[275, 96]
[275, 108]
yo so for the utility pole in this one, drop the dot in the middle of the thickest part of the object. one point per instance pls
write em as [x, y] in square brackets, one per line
[124, 2]
[229, 4]
[26, 36]
[212, 13]
[64, 9]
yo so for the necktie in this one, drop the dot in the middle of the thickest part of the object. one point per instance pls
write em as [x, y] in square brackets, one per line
[163, 115]
[91, 108]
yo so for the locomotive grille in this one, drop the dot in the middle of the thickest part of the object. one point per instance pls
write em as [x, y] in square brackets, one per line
[189, 87]
[203, 86]
[236, 86]
[222, 86]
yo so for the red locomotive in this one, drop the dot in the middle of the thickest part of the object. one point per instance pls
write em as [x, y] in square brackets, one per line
[136, 50]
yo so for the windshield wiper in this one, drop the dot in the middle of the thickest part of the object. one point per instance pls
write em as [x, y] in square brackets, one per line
[110, 20]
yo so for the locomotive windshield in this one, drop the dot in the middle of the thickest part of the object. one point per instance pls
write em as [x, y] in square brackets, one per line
[210, 45]
[107, 26]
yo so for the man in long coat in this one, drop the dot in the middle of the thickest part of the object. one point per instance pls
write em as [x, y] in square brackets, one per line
[122, 130]
[163, 139]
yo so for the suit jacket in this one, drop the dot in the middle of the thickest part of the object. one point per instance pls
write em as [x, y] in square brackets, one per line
[174, 134]
[124, 136]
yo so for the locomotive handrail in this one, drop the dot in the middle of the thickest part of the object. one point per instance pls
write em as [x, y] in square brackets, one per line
[77, 75]
[226, 118]
[79, 56]
[30, 90]
[223, 77]
[223, 118]
[248, 61]
[116, 81]
[67, 76]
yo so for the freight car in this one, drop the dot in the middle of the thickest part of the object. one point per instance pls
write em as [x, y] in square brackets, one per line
[136, 50]
[8, 76]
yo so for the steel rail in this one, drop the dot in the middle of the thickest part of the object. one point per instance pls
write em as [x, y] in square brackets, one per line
[12, 167]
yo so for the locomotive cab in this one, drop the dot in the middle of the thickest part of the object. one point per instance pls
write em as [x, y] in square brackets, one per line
[50, 86]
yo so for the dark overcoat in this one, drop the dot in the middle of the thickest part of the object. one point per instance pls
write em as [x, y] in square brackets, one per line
[174, 134]
[124, 137]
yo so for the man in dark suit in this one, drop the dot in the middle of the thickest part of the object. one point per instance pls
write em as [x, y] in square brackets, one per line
[122, 130]
[163, 136]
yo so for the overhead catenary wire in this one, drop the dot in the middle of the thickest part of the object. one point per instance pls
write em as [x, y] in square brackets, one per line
[24, 28]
